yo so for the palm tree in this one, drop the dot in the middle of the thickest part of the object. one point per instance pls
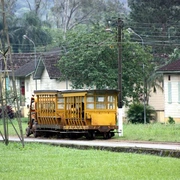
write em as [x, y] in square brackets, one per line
[30, 25]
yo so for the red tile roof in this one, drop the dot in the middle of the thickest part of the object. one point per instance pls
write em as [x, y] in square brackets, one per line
[24, 63]
[50, 60]
[174, 66]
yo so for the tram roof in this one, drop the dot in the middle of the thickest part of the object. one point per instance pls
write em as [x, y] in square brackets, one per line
[75, 91]
[89, 90]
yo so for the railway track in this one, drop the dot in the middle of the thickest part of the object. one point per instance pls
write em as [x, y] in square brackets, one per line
[154, 148]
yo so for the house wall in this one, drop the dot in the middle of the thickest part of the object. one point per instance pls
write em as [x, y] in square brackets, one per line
[156, 100]
[45, 83]
[172, 97]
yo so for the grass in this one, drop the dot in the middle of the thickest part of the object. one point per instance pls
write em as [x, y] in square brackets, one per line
[137, 132]
[11, 130]
[39, 161]
[151, 132]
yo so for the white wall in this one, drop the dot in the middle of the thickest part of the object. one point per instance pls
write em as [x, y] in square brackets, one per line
[172, 105]
[156, 99]
[47, 84]
[29, 88]
[44, 84]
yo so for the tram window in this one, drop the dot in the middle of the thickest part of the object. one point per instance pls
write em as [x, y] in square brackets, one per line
[90, 106]
[111, 106]
[60, 106]
[100, 99]
[100, 102]
[90, 99]
[90, 102]
[111, 99]
[100, 106]
[60, 100]
[111, 102]
[60, 103]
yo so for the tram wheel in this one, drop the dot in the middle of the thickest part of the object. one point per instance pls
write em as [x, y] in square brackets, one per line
[28, 132]
[35, 133]
[106, 135]
[91, 135]
[109, 135]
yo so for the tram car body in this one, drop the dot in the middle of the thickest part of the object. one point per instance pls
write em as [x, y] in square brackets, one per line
[73, 113]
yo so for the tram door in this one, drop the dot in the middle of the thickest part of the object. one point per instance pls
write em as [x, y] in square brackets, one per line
[75, 107]
[32, 111]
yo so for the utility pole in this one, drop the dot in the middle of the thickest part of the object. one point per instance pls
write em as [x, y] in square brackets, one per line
[21, 137]
[120, 103]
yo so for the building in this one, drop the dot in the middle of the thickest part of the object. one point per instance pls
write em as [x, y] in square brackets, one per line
[171, 76]
[29, 78]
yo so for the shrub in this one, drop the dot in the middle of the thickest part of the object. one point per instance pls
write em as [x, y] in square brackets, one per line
[8, 112]
[135, 113]
[171, 120]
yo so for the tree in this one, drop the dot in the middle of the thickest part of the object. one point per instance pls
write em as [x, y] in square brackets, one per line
[86, 62]
[157, 21]
[135, 113]
[34, 28]
[9, 9]
[70, 13]
[91, 61]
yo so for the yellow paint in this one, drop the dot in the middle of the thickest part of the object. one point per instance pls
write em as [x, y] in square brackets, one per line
[74, 94]
[103, 118]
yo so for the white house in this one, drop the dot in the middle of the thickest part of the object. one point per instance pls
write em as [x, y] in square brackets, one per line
[28, 78]
[171, 74]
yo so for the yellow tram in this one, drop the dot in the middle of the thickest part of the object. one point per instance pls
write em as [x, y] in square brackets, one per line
[73, 113]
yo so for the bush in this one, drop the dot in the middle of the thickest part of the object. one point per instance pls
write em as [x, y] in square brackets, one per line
[8, 112]
[135, 113]
[171, 120]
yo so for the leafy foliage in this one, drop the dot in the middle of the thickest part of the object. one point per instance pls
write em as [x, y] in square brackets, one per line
[157, 21]
[171, 120]
[30, 25]
[91, 59]
[135, 113]
[163, 10]
[86, 60]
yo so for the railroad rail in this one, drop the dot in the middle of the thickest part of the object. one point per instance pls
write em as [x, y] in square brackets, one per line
[154, 148]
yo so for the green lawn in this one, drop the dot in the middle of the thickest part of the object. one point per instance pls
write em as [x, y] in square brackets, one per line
[39, 161]
[151, 132]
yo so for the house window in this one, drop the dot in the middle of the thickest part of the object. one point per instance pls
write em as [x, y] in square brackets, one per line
[27, 86]
[169, 93]
[169, 78]
[22, 92]
[22, 88]
[179, 92]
